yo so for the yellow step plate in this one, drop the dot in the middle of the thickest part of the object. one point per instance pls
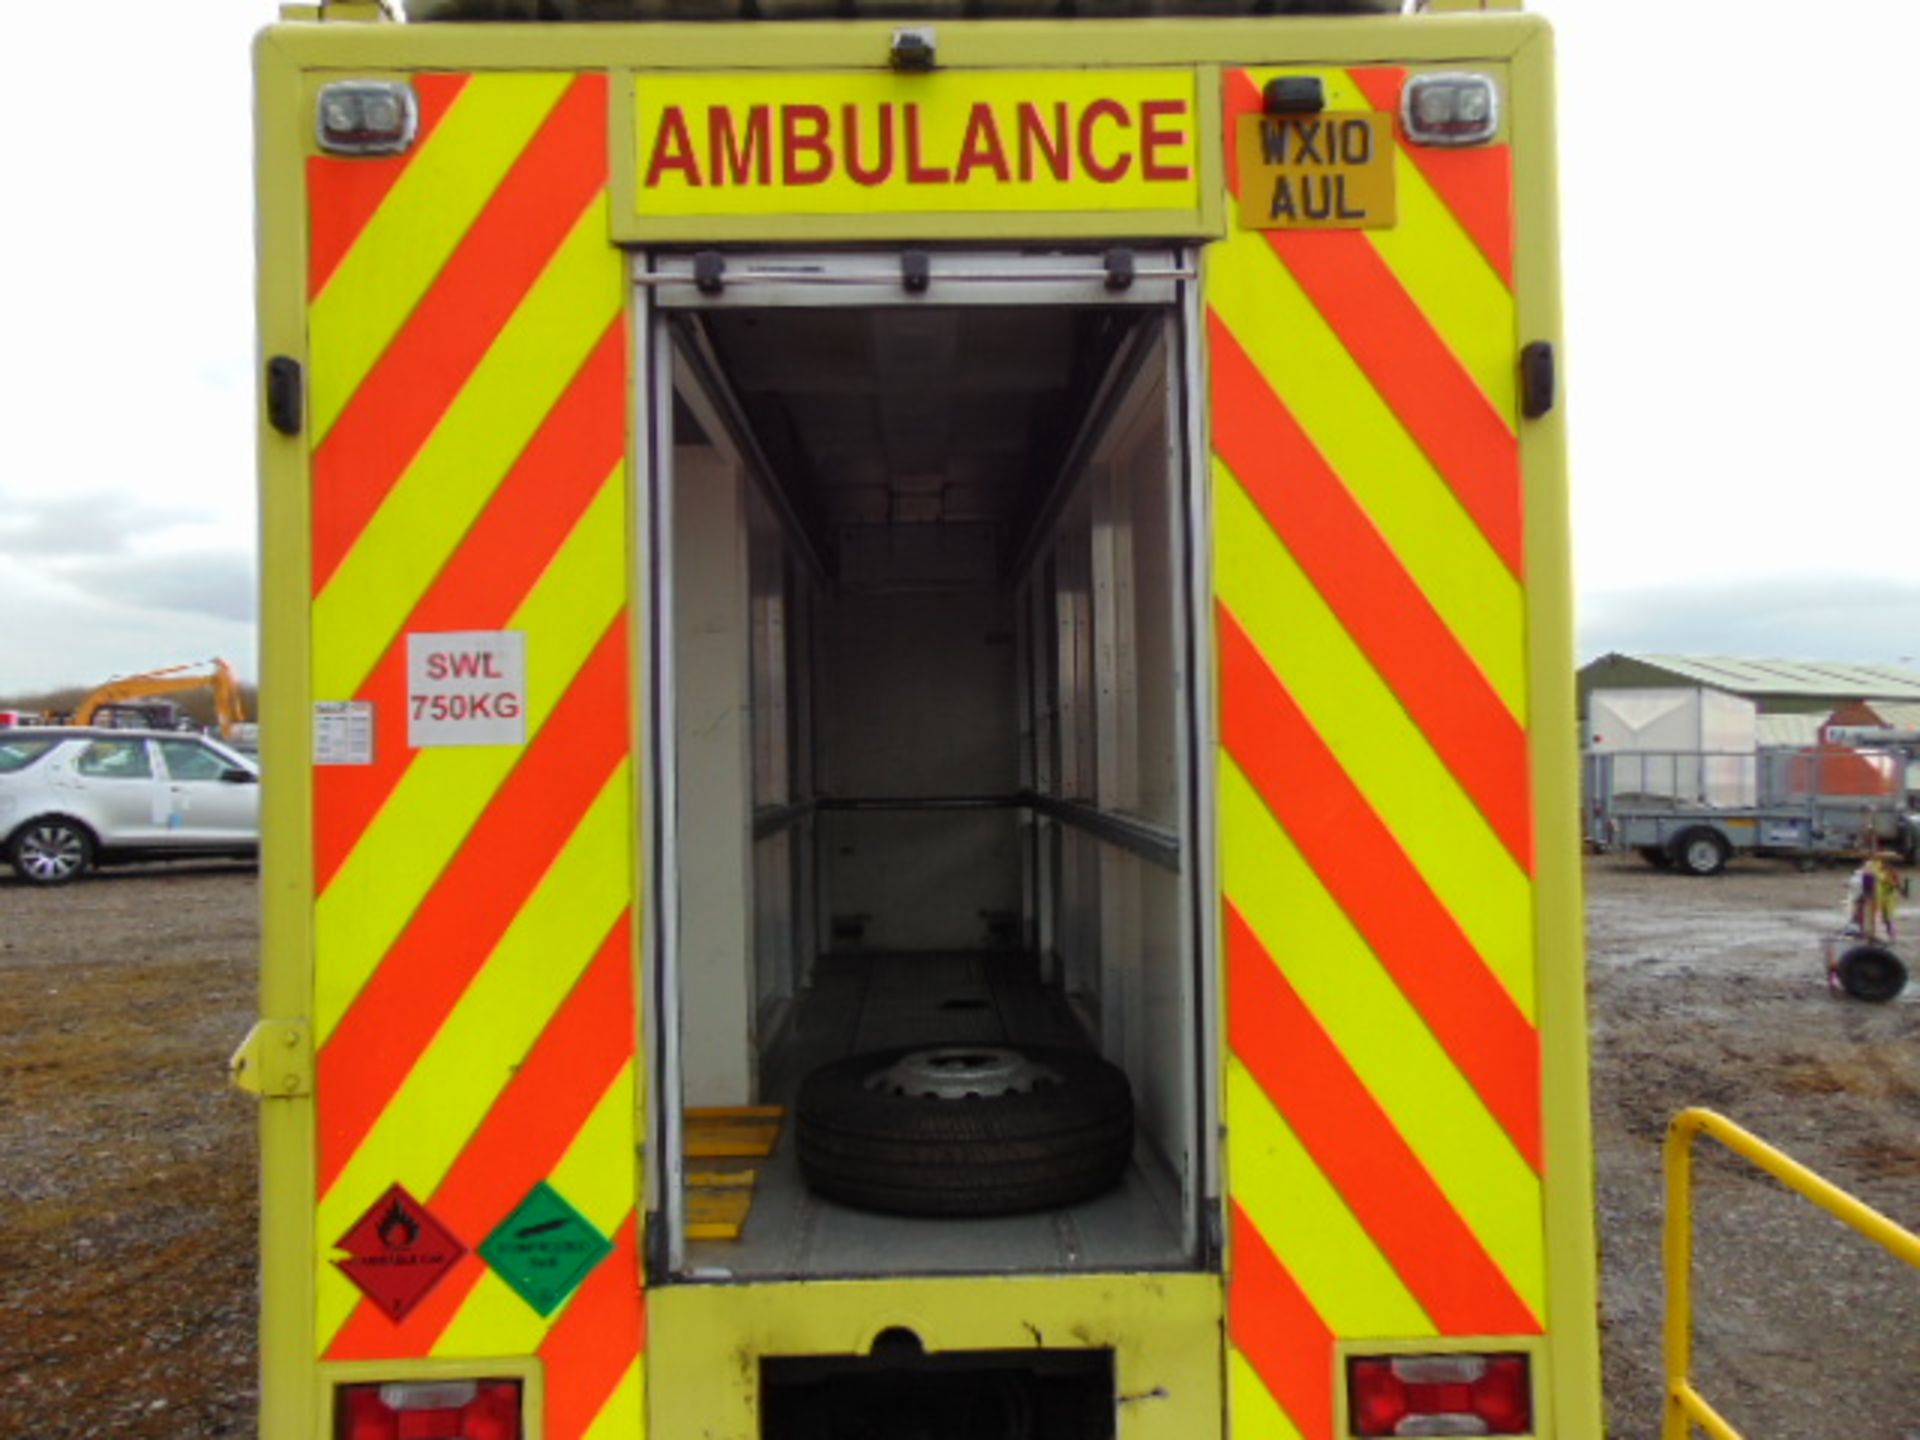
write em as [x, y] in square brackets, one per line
[722, 1179]
[720, 1197]
[718, 1214]
[737, 1131]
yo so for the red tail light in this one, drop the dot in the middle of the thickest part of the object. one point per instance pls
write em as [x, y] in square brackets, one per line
[1440, 1395]
[429, 1410]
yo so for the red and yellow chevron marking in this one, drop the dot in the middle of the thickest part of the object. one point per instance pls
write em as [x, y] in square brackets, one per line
[1383, 1089]
[474, 916]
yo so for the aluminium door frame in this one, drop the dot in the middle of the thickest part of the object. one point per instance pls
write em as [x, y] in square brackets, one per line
[666, 285]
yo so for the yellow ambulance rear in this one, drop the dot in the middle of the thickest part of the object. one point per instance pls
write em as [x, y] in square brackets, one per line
[1012, 564]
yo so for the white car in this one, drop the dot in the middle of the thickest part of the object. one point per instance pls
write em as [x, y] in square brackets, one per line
[74, 798]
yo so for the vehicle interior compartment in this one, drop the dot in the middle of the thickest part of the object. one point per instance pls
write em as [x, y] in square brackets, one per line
[922, 579]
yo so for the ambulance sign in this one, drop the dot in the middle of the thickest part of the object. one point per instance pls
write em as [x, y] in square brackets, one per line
[1316, 172]
[944, 143]
[467, 687]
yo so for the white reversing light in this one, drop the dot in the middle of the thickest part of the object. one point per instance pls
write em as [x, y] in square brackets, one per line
[366, 117]
[1451, 109]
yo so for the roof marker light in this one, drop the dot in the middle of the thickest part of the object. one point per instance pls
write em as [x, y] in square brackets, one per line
[366, 117]
[1454, 108]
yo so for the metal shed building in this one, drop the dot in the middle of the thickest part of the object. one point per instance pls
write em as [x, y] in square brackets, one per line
[1806, 687]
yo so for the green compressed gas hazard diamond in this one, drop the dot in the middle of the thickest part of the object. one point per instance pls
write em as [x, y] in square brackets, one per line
[544, 1249]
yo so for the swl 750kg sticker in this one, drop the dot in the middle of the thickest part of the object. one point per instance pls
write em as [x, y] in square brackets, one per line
[467, 687]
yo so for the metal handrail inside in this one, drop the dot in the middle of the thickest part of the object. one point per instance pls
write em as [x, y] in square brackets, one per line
[1155, 843]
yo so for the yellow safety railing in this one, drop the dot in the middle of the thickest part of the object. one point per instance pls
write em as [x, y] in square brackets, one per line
[1685, 1407]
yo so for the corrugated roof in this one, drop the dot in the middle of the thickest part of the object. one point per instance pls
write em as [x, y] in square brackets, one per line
[1795, 731]
[1790, 677]
[1899, 714]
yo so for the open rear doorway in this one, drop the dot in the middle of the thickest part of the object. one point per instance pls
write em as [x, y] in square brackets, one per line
[924, 635]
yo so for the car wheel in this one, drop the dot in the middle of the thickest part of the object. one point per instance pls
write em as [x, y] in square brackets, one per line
[964, 1129]
[1872, 973]
[1701, 852]
[50, 852]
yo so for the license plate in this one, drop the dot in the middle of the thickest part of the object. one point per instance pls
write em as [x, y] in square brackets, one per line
[1317, 172]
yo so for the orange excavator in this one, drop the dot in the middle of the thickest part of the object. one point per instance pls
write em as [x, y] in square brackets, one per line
[123, 696]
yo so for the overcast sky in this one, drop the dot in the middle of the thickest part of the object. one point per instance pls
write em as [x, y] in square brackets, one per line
[1741, 312]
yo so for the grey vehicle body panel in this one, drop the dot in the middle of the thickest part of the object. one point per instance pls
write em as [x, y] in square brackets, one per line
[133, 817]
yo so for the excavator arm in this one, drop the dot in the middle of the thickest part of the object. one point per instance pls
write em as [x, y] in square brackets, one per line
[174, 680]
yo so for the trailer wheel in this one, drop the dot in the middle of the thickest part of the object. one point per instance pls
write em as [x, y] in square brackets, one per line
[1701, 851]
[964, 1129]
[1872, 973]
[1656, 857]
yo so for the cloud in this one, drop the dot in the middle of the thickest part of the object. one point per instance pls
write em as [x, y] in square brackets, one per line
[126, 395]
[60, 634]
[1795, 617]
[217, 584]
[67, 527]
[88, 573]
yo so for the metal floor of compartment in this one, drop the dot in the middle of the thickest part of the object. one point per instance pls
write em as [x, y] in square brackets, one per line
[870, 1002]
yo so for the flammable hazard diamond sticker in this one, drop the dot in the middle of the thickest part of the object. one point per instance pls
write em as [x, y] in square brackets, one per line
[544, 1249]
[397, 1252]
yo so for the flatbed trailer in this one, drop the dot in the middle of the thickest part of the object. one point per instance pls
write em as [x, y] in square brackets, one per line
[1694, 811]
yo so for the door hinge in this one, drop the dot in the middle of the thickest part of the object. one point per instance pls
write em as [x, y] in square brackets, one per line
[275, 1061]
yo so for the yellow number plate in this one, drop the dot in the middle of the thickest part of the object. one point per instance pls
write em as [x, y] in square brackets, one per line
[1316, 172]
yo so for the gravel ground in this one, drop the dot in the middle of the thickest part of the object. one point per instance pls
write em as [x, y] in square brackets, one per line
[127, 1210]
[127, 1167]
[1713, 992]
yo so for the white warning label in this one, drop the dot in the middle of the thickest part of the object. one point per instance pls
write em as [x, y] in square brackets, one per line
[467, 687]
[342, 732]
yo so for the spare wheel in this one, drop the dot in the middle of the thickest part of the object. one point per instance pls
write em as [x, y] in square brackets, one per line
[1872, 973]
[964, 1129]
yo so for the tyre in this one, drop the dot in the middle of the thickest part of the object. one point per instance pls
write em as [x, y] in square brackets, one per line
[1872, 973]
[50, 851]
[964, 1130]
[1701, 852]
[1656, 857]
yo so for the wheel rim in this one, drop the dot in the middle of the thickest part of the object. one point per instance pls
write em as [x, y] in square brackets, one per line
[51, 852]
[1703, 855]
[962, 1072]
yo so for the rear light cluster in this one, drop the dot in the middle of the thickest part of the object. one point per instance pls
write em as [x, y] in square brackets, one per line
[429, 1410]
[1440, 1395]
